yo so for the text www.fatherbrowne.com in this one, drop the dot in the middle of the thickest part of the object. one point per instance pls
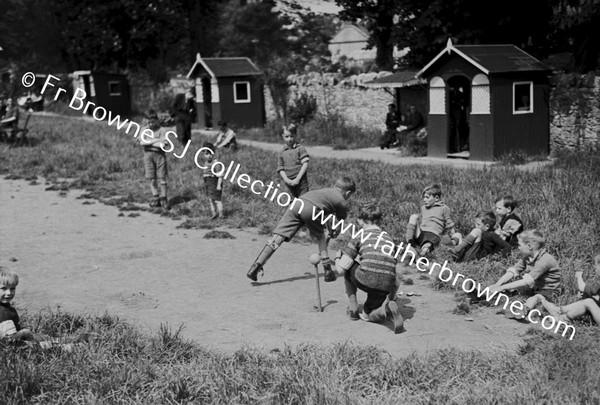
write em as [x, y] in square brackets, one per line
[283, 199]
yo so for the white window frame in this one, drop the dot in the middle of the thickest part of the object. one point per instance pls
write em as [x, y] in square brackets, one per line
[530, 111]
[235, 96]
[481, 81]
[110, 92]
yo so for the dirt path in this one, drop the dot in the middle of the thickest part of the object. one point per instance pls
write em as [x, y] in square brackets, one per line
[80, 255]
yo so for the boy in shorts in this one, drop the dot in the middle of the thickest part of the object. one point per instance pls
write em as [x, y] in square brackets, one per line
[589, 304]
[424, 230]
[481, 241]
[373, 273]
[155, 160]
[300, 213]
[213, 184]
[292, 163]
[538, 271]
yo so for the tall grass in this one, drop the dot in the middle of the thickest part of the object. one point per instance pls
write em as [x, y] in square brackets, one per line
[122, 366]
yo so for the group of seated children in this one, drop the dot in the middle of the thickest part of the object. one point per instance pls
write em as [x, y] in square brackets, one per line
[366, 267]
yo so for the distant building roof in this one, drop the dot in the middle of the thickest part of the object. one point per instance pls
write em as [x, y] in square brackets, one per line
[350, 33]
[225, 67]
[399, 79]
[491, 59]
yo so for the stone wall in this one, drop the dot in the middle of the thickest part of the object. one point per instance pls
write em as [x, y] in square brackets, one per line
[361, 106]
[575, 112]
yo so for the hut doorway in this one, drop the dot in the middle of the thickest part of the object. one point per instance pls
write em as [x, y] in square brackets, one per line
[207, 100]
[459, 94]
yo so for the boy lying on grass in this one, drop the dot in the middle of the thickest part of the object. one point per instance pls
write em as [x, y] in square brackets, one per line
[539, 274]
[589, 304]
[10, 327]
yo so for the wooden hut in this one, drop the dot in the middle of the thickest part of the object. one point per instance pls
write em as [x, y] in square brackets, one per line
[486, 101]
[109, 90]
[228, 89]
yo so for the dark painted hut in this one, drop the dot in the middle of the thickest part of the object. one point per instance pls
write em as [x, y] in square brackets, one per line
[108, 90]
[486, 101]
[228, 89]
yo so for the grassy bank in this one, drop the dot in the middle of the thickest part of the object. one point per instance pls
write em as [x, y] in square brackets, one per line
[122, 366]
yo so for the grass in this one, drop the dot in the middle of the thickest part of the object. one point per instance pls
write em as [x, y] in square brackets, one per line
[125, 367]
[120, 365]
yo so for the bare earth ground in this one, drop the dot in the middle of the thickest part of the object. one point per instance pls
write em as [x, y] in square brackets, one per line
[84, 258]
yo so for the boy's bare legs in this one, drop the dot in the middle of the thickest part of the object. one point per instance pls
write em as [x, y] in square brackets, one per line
[219, 205]
[351, 293]
[574, 310]
[164, 202]
[213, 210]
[155, 196]
[411, 227]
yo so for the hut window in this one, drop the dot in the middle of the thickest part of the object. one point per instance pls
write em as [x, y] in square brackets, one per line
[437, 96]
[480, 96]
[522, 97]
[114, 88]
[241, 92]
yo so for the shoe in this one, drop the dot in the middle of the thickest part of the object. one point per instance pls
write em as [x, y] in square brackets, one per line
[329, 275]
[364, 317]
[165, 203]
[155, 203]
[254, 270]
[396, 316]
[425, 249]
[353, 315]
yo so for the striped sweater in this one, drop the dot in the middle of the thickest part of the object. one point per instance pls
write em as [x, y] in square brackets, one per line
[377, 269]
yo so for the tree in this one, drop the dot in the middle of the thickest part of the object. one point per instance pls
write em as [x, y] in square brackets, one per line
[379, 18]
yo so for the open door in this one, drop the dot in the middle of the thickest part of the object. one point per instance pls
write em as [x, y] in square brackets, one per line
[459, 100]
[207, 100]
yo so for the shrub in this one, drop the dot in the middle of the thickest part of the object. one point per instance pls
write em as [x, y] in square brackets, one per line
[304, 108]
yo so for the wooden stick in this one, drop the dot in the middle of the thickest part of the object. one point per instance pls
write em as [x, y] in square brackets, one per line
[318, 287]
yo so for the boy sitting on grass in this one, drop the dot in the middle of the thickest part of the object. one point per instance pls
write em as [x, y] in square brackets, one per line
[509, 224]
[155, 161]
[424, 230]
[10, 327]
[482, 241]
[539, 272]
[328, 200]
[589, 304]
[373, 273]
[293, 163]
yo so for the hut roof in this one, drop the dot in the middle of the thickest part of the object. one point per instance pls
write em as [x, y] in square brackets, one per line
[491, 59]
[224, 67]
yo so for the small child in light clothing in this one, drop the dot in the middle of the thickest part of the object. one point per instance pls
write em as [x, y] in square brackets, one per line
[481, 241]
[590, 302]
[509, 224]
[213, 184]
[538, 272]
[424, 230]
[302, 212]
[155, 160]
[293, 163]
[368, 268]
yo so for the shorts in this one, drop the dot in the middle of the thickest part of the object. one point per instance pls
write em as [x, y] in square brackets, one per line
[425, 237]
[292, 221]
[210, 186]
[155, 165]
[375, 298]
[550, 295]
[301, 188]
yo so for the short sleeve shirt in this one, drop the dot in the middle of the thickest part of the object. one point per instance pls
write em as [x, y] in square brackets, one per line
[291, 159]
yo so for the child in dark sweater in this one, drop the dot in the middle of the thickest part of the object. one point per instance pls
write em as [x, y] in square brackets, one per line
[481, 241]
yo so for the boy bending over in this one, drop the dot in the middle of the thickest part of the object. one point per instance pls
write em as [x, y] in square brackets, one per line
[330, 201]
[374, 273]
